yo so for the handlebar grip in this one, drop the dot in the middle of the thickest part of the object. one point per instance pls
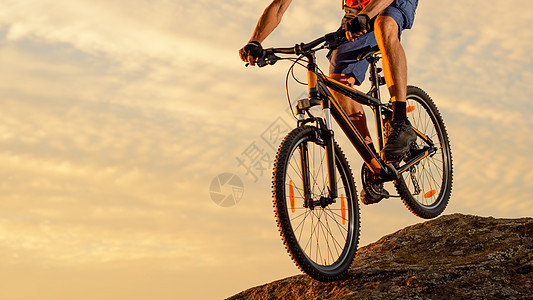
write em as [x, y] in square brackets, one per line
[335, 39]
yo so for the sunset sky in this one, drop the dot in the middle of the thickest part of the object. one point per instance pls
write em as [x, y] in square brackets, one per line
[115, 117]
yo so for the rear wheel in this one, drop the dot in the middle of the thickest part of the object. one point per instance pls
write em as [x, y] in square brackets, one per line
[322, 235]
[426, 186]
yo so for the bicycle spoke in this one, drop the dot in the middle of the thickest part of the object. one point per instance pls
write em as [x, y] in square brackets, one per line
[319, 231]
[432, 173]
[316, 233]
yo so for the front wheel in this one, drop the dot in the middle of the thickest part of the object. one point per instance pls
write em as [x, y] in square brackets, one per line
[425, 187]
[321, 238]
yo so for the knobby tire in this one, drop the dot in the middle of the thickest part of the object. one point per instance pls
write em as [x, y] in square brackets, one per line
[433, 175]
[302, 229]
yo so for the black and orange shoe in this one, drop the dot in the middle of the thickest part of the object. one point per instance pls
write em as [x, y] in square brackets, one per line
[398, 141]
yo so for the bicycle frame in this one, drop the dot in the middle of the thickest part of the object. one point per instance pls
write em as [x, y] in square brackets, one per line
[320, 92]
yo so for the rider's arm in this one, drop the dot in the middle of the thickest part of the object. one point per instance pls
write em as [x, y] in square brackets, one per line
[270, 19]
[372, 9]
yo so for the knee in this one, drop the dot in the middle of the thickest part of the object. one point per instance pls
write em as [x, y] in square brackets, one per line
[386, 29]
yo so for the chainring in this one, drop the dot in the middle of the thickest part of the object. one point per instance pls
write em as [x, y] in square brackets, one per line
[371, 184]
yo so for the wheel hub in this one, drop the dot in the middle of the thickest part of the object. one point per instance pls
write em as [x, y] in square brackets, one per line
[322, 202]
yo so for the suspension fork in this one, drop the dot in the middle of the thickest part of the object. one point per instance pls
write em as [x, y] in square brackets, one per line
[327, 134]
[304, 155]
[324, 137]
[304, 165]
[326, 131]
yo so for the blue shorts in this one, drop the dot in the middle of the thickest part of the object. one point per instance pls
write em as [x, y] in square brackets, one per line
[343, 59]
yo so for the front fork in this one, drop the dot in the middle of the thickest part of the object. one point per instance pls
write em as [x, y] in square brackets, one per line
[330, 156]
[324, 137]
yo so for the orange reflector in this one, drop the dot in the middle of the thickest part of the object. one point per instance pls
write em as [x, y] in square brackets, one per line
[430, 194]
[291, 195]
[343, 210]
[410, 108]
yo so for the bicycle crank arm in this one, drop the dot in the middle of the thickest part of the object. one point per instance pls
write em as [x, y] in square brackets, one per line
[388, 174]
[424, 137]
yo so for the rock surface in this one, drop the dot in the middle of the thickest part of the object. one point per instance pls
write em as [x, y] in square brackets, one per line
[451, 257]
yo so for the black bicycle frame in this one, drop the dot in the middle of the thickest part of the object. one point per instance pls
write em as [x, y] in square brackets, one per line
[320, 87]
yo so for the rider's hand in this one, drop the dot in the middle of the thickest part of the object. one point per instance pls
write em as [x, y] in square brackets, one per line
[251, 52]
[357, 26]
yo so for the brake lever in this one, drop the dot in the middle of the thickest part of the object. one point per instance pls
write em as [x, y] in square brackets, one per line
[268, 58]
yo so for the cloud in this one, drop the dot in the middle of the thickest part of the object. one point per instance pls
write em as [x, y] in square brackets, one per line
[483, 55]
[114, 118]
[476, 69]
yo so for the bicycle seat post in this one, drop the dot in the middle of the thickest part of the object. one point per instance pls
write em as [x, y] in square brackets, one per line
[376, 81]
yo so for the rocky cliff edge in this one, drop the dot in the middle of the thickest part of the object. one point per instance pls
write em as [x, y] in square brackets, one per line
[452, 257]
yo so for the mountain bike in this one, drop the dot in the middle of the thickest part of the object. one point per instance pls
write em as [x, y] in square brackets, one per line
[315, 197]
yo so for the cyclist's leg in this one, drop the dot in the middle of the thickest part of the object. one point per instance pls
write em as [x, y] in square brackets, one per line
[388, 26]
[394, 61]
[344, 68]
[356, 113]
[353, 109]
[387, 29]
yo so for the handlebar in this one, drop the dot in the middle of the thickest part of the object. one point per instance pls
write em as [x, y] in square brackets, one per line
[332, 40]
